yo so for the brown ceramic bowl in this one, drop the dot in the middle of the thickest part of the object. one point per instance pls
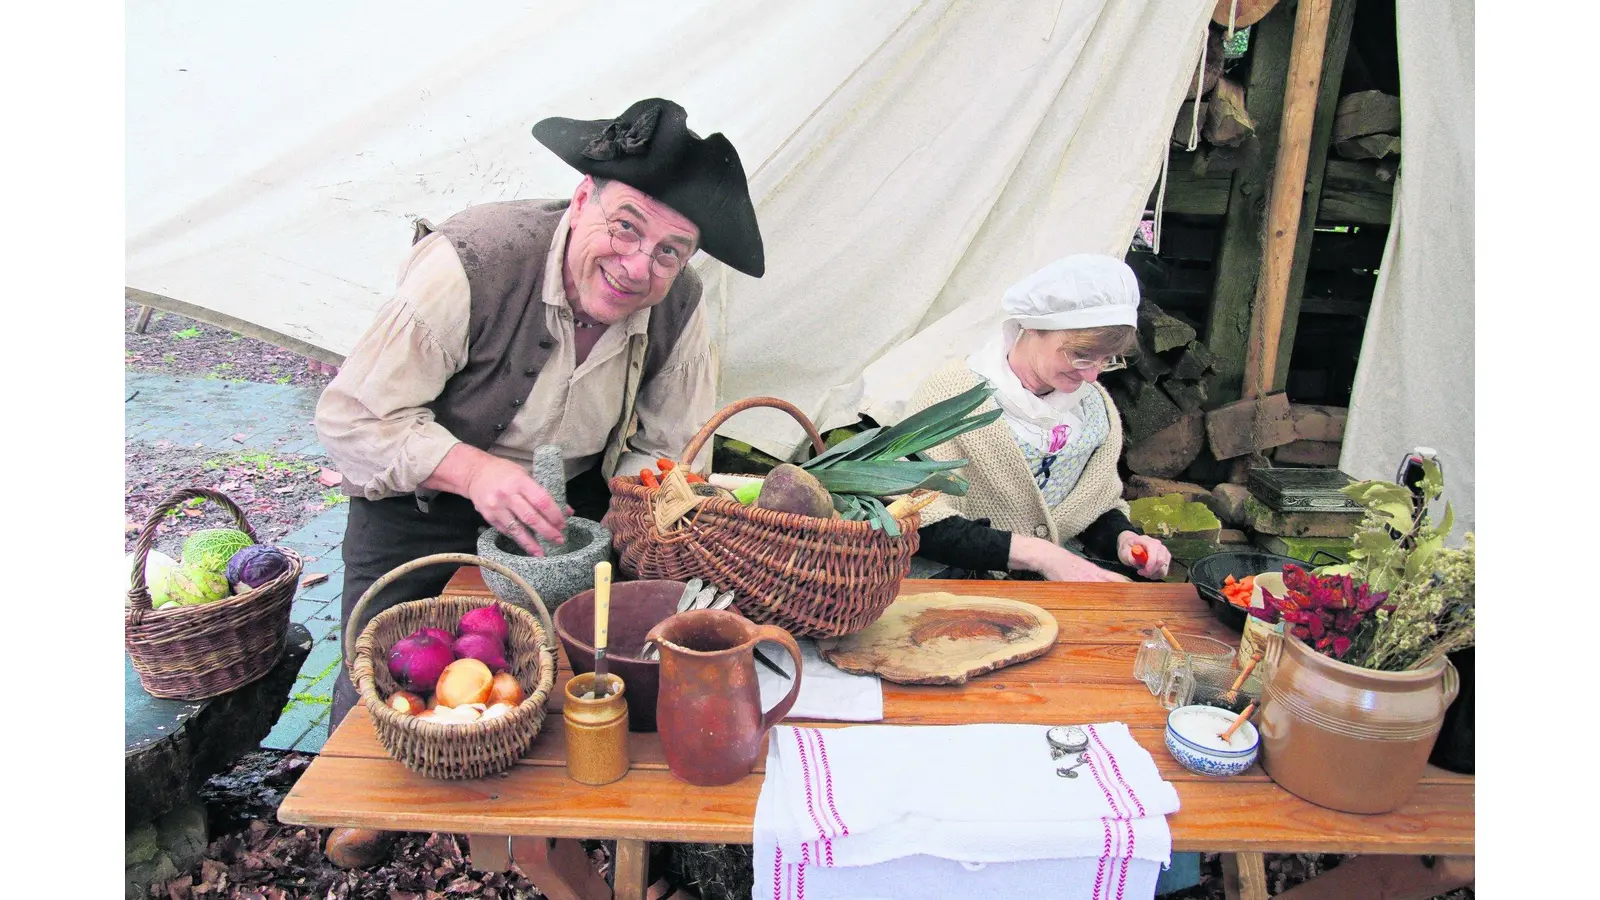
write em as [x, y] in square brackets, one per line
[636, 607]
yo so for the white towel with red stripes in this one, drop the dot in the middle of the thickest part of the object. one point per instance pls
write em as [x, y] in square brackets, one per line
[910, 812]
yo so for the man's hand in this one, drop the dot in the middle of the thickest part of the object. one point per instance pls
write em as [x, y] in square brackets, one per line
[1054, 562]
[504, 494]
[1148, 555]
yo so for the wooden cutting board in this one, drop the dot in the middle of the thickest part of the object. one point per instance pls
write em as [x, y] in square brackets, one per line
[943, 639]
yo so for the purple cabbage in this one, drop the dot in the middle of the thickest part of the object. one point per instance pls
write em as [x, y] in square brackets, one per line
[254, 566]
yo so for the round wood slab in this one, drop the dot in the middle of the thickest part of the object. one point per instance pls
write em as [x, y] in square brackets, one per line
[943, 639]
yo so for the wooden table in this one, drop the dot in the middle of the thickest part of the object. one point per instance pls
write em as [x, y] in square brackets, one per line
[1086, 677]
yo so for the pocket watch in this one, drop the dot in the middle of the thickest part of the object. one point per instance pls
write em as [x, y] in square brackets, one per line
[1066, 739]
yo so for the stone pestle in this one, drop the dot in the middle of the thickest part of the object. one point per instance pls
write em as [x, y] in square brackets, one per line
[549, 470]
[565, 569]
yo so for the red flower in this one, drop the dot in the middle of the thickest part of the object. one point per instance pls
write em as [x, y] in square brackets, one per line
[1324, 611]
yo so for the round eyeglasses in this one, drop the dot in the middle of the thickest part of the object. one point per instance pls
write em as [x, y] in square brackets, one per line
[665, 259]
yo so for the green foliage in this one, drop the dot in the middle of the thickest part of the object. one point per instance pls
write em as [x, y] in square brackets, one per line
[260, 460]
[1429, 615]
[1397, 549]
[1395, 541]
[879, 462]
[187, 333]
[333, 498]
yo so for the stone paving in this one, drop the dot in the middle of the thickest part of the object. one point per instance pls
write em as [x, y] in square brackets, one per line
[272, 417]
[212, 411]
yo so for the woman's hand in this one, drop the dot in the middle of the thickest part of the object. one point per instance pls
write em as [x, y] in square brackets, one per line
[1056, 563]
[1148, 555]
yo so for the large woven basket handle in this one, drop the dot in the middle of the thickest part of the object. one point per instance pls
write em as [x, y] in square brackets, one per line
[739, 406]
[138, 593]
[465, 559]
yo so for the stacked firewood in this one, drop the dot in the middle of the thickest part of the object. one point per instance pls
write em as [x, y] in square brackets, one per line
[1214, 116]
[1162, 395]
[1366, 125]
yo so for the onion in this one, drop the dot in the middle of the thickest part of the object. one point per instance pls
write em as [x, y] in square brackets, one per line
[438, 634]
[416, 662]
[482, 647]
[485, 620]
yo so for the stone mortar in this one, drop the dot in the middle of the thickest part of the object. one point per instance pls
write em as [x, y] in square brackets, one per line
[569, 570]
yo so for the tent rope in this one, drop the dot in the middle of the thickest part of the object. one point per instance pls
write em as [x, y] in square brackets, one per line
[1161, 199]
[1199, 91]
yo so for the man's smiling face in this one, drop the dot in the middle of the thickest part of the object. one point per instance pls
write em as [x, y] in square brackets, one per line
[609, 286]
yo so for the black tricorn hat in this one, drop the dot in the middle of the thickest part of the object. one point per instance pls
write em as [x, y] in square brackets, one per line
[651, 148]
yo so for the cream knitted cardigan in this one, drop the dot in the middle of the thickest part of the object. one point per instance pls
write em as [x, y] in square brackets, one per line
[1003, 490]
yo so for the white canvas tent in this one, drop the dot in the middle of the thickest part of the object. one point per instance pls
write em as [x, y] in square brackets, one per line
[908, 159]
[1414, 385]
[905, 157]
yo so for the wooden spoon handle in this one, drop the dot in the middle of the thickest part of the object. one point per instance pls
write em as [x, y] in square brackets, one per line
[1171, 641]
[1237, 722]
[1244, 673]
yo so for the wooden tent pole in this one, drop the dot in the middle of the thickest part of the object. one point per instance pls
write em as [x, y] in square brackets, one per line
[1288, 193]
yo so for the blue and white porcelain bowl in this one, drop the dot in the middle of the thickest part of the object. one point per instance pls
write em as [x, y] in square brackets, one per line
[1192, 740]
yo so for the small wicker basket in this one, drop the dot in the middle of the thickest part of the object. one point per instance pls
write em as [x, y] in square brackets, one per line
[196, 652]
[812, 577]
[436, 750]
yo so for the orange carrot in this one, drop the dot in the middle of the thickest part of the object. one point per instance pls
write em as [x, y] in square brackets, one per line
[694, 478]
[648, 479]
[665, 465]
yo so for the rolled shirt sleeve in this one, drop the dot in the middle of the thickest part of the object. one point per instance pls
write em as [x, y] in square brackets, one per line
[674, 404]
[372, 419]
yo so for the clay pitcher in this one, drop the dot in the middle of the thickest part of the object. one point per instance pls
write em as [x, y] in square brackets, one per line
[708, 709]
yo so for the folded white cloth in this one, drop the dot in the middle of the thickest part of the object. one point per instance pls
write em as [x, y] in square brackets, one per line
[825, 692]
[932, 878]
[872, 811]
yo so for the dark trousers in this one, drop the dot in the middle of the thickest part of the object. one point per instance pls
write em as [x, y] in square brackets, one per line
[382, 535]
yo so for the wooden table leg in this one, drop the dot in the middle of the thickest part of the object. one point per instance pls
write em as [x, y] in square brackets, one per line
[1387, 878]
[143, 322]
[631, 869]
[489, 852]
[1244, 876]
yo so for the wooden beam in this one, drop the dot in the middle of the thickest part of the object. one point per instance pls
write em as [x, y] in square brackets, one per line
[1355, 193]
[1188, 193]
[143, 321]
[630, 870]
[237, 326]
[1340, 21]
[1239, 259]
[1288, 193]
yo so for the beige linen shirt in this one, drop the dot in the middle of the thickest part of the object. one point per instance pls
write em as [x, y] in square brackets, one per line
[373, 421]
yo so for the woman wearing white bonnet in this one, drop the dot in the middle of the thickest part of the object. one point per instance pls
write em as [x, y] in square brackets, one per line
[1045, 473]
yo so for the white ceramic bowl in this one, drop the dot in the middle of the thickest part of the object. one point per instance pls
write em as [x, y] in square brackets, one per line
[1192, 740]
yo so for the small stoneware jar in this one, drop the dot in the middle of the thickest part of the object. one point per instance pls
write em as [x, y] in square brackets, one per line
[597, 730]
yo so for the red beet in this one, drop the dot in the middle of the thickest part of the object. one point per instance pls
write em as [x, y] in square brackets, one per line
[485, 620]
[481, 647]
[415, 662]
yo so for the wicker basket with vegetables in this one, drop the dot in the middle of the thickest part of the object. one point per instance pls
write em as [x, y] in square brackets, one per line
[215, 620]
[818, 548]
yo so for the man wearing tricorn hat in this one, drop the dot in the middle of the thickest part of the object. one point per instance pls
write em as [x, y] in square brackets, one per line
[575, 322]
